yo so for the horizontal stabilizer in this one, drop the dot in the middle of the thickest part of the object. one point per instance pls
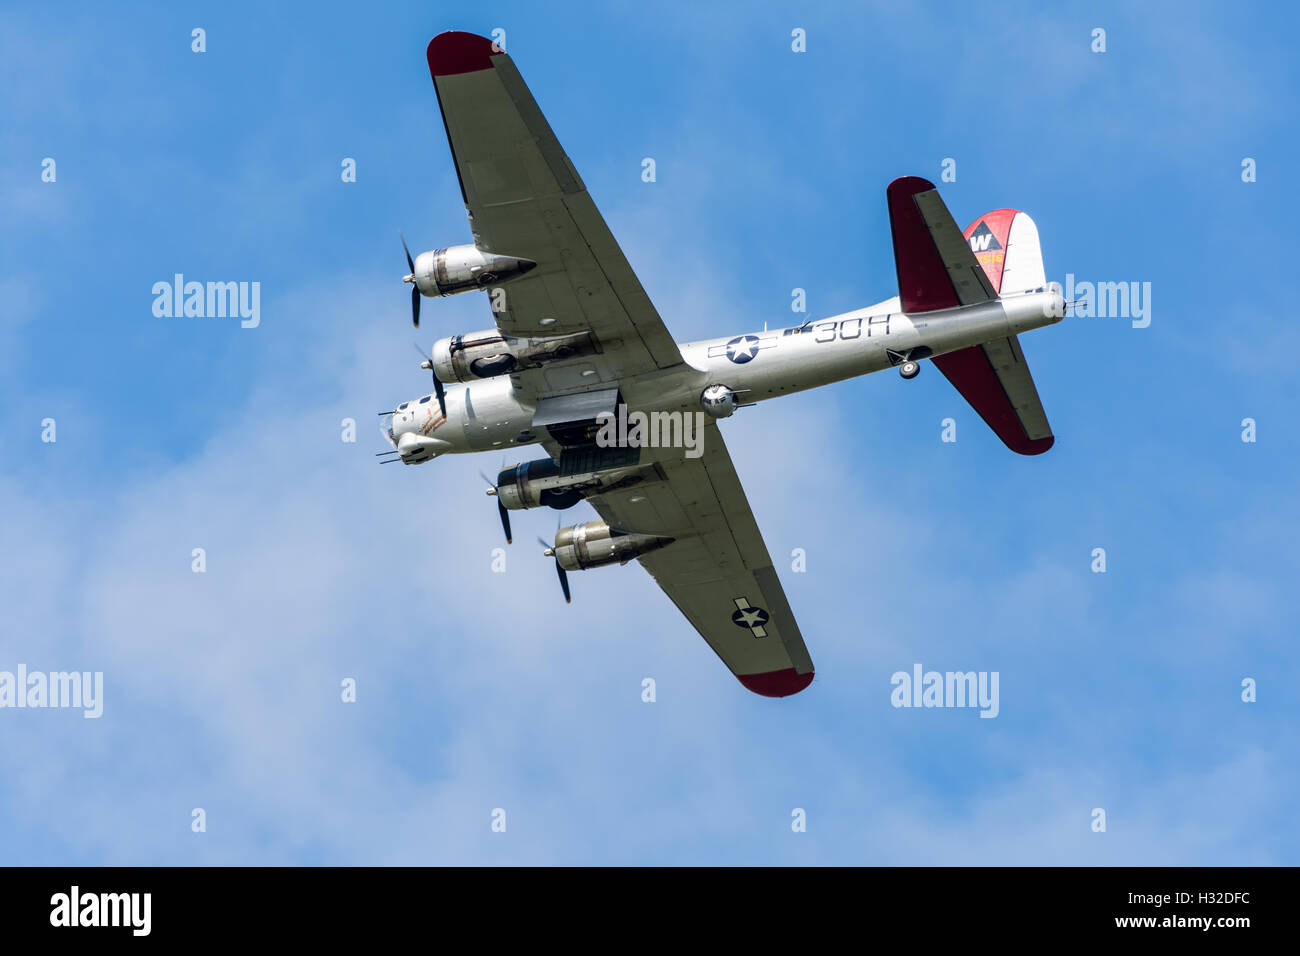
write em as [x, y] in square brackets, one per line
[995, 380]
[936, 267]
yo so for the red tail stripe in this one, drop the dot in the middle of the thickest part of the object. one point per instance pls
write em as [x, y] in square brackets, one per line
[994, 260]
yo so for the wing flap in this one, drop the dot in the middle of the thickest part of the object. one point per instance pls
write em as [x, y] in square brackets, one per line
[1009, 364]
[718, 572]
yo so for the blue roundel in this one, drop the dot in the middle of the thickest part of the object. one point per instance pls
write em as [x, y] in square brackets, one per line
[750, 618]
[742, 349]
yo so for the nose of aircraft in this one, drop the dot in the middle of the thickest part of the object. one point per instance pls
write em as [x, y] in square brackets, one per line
[408, 432]
[415, 448]
[407, 419]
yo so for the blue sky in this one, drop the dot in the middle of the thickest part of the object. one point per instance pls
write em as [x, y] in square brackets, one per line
[479, 690]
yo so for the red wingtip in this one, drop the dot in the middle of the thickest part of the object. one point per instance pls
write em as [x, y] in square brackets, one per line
[455, 52]
[776, 683]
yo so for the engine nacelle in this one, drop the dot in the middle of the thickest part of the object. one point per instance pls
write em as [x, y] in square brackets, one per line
[718, 401]
[459, 269]
[534, 484]
[464, 358]
[595, 544]
[538, 484]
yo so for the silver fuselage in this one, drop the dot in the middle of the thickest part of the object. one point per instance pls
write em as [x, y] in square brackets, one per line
[487, 413]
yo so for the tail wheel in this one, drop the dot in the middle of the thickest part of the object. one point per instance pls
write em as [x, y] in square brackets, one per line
[909, 369]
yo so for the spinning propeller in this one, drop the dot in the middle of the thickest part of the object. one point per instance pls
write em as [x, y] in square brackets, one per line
[437, 382]
[560, 572]
[501, 509]
[415, 289]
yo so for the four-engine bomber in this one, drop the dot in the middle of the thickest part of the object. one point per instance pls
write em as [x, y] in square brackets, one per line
[577, 340]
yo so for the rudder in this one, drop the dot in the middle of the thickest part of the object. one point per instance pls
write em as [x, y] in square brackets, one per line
[1005, 243]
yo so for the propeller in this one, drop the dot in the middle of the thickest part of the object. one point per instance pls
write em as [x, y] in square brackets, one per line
[437, 382]
[564, 578]
[501, 509]
[415, 289]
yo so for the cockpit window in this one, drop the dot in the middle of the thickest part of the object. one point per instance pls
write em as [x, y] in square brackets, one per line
[425, 399]
[402, 406]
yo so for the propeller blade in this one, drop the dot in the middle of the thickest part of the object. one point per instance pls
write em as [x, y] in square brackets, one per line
[437, 391]
[559, 572]
[505, 521]
[564, 582]
[501, 509]
[415, 289]
[409, 261]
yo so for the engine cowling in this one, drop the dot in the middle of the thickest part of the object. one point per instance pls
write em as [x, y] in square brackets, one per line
[595, 544]
[464, 358]
[535, 484]
[457, 269]
[539, 484]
